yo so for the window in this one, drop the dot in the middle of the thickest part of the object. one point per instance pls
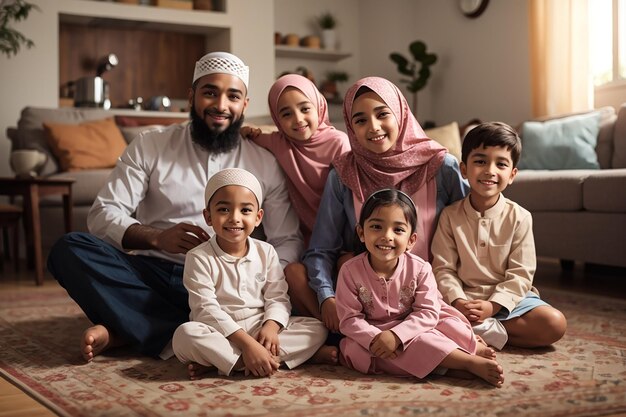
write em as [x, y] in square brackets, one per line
[607, 41]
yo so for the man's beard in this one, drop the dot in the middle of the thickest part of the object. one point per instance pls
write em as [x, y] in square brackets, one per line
[212, 141]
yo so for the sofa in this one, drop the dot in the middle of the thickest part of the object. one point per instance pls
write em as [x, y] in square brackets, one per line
[579, 215]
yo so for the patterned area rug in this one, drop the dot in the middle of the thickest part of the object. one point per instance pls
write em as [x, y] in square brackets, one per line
[583, 375]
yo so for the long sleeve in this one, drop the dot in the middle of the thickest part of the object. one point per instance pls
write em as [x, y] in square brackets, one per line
[445, 260]
[451, 186]
[201, 278]
[126, 187]
[522, 263]
[327, 240]
[277, 304]
[426, 306]
[352, 320]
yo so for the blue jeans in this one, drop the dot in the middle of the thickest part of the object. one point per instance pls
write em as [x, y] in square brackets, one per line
[141, 299]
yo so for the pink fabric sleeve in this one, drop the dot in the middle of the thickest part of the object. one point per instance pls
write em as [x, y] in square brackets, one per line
[426, 306]
[352, 321]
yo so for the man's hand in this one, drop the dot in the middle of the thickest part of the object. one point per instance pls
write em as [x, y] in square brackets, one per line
[268, 337]
[250, 132]
[476, 310]
[385, 345]
[180, 238]
[329, 314]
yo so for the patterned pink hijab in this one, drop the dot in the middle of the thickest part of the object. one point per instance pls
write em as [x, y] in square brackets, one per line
[411, 166]
[414, 161]
[306, 163]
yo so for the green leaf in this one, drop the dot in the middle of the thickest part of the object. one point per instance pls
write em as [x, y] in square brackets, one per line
[418, 50]
[402, 63]
[429, 59]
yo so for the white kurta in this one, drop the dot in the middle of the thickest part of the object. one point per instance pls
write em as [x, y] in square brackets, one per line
[226, 294]
[159, 181]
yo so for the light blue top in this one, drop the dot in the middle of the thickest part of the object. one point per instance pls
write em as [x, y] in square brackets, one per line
[334, 232]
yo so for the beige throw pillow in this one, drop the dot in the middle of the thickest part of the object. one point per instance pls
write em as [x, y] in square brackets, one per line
[448, 136]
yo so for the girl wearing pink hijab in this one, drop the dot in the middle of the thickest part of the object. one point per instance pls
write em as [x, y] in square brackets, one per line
[305, 144]
[389, 150]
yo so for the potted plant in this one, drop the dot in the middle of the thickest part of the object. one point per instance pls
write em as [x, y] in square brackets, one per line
[329, 89]
[327, 23]
[417, 69]
[10, 39]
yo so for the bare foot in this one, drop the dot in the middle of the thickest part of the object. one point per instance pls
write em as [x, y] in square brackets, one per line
[326, 355]
[487, 369]
[485, 351]
[96, 339]
[197, 371]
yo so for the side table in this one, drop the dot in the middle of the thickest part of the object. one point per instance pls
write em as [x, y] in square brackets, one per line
[31, 190]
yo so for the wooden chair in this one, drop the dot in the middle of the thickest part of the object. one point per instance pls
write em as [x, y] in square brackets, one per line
[9, 222]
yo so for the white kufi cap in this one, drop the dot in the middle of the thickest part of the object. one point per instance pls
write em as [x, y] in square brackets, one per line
[221, 63]
[233, 176]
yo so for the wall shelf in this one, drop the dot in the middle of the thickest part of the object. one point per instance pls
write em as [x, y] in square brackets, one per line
[283, 51]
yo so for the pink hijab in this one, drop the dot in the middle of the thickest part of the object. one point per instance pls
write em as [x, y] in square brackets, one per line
[411, 166]
[305, 163]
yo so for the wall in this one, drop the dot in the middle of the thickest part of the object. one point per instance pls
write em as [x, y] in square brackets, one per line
[482, 70]
[32, 77]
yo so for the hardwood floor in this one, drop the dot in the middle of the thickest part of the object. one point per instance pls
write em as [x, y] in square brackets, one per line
[596, 280]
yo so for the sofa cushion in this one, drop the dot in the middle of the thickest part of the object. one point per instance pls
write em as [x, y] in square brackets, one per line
[448, 136]
[88, 145]
[605, 191]
[619, 139]
[565, 143]
[542, 190]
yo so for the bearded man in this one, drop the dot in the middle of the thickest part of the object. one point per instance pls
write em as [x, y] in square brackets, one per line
[126, 274]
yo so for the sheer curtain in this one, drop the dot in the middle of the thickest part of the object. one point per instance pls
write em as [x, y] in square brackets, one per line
[560, 75]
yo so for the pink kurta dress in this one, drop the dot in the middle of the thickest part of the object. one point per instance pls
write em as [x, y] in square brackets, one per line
[410, 305]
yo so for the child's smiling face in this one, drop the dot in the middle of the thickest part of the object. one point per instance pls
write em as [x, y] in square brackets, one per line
[297, 116]
[374, 124]
[489, 171]
[387, 235]
[233, 213]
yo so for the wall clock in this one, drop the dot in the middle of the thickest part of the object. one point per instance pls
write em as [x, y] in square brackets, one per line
[473, 8]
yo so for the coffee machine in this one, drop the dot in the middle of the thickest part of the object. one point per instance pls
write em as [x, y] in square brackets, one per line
[94, 91]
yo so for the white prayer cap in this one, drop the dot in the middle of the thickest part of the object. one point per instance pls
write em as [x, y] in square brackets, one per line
[221, 63]
[233, 176]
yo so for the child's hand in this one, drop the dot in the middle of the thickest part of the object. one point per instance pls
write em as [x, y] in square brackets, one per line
[329, 314]
[250, 132]
[385, 344]
[268, 337]
[482, 309]
[258, 360]
[461, 305]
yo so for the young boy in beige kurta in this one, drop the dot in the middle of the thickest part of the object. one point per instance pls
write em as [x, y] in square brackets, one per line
[484, 251]
[240, 310]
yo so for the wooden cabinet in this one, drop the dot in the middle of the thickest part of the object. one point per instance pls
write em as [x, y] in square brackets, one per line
[157, 47]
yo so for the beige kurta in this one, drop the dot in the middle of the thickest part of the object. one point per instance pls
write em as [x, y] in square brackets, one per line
[490, 257]
[226, 294]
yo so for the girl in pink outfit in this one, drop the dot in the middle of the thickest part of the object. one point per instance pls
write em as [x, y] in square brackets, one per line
[394, 318]
[305, 144]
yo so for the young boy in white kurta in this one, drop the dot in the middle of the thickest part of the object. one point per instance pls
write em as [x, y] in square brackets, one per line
[240, 310]
[484, 251]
